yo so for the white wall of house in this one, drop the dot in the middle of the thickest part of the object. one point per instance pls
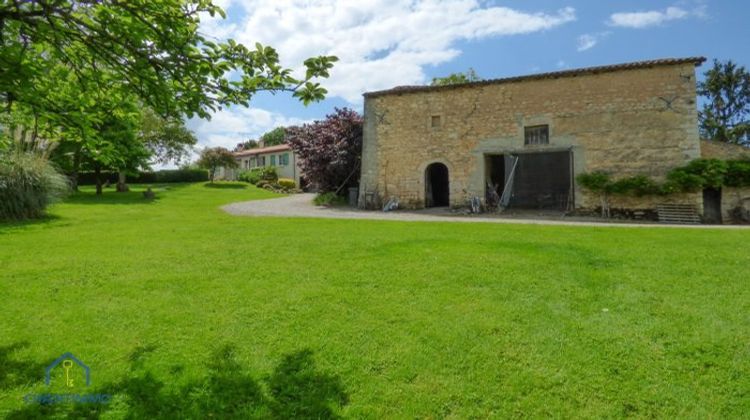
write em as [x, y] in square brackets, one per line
[285, 162]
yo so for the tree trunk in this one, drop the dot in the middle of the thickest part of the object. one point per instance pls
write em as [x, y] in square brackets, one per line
[98, 176]
[121, 185]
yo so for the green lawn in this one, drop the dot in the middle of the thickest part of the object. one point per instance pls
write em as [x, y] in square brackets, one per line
[182, 311]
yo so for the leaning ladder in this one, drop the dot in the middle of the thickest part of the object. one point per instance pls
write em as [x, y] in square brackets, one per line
[507, 189]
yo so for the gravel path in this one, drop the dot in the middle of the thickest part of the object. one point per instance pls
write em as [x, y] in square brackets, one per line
[301, 205]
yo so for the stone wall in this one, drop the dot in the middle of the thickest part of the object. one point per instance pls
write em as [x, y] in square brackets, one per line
[627, 122]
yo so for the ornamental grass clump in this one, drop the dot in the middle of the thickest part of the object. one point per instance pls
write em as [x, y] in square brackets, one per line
[28, 184]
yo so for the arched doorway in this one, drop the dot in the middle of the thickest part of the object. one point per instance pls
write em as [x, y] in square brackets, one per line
[437, 191]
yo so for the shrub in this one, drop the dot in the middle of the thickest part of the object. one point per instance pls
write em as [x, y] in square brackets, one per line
[265, 173]
[329, 199]
[251, 177]
[287, 184]
[269, 173]
[738, 173]
[680, 180]
[329, 150]
[712, 171]
[638, 185]
[28, 184]
[262, 183]
[595, 181]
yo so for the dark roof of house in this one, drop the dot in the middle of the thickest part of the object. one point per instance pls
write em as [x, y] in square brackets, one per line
[269, 149]
[551, 75]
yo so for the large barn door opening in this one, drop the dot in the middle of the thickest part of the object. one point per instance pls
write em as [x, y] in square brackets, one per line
[542, 181]
[437, 191]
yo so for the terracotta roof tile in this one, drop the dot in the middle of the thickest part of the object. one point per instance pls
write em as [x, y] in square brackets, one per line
[269, 149]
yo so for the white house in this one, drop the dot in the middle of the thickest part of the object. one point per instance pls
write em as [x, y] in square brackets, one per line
[280, 156]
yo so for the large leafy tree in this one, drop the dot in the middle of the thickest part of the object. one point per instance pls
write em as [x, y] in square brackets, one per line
[152, 46]
[246, 145]
[330, 150]
[213, 158]
[76, 70]
[167, 139]
[726, 113]
[274, 137]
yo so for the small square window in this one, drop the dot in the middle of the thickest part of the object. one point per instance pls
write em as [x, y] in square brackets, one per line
[435, 122]
[538, 134]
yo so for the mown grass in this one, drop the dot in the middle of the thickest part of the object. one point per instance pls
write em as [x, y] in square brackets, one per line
[182, 311]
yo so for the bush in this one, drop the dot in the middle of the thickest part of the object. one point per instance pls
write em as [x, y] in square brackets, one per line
[28, 184]
[680, 180]
[595, 181]
[251, 177]
[264, 173]
[638, 185]
[738, 173]
[329, 199]
[287, 184]
[712, 171]
[261, 183]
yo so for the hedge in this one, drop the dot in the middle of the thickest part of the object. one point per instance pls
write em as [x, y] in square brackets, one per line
[162, 176]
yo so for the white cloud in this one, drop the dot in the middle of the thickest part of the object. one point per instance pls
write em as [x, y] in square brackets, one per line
[588, 41]
[380, 43]
[234, 125]
[639, 20]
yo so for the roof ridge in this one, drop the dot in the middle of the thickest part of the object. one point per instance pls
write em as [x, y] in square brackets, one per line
[548, 75]
[282, 146]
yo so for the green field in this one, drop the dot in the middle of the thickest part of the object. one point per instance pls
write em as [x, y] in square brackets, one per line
[182, 311]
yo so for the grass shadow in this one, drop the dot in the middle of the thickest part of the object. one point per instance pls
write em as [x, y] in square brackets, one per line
[87, 194]
[294, 389]
[226, 185]
[11, 225]
[112, 197]
[15, 373]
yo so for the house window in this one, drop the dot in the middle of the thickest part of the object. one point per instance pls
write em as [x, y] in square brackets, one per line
[284, 159]
[538, 134]
[253, 162]
[273, 160]
[261, 161]
[435, 121]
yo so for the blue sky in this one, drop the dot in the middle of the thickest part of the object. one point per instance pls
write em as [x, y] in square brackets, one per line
[386, 43]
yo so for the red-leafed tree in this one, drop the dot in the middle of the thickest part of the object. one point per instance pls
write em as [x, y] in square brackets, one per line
[330, 150]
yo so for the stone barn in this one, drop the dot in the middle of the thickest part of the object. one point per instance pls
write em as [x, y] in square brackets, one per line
[528, 137]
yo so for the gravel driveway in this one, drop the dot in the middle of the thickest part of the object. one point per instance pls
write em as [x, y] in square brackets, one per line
[301, 205]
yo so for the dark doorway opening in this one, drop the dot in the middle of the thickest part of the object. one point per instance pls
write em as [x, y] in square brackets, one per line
[437, 191]
[712, 205]
[495, 178]
[543, 181]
